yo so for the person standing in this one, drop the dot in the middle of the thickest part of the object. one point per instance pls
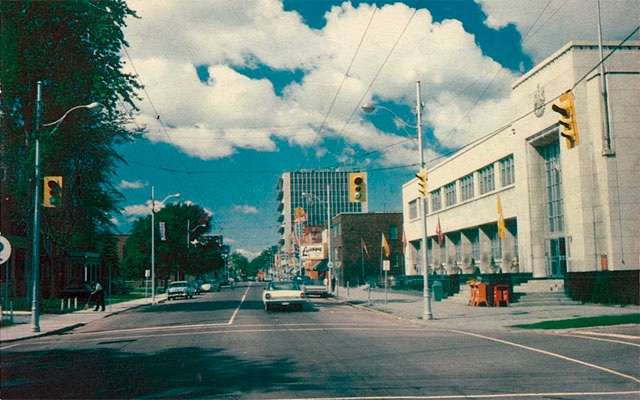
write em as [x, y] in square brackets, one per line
[99, 293]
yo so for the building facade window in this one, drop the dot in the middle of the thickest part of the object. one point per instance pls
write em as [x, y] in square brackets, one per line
[413, 209]
[507, 171]
[487, 179]
[555, 213]
[436, 200]
[466, 187]
[450, 194]
[393, 232]
[475, 246]
[496, 247]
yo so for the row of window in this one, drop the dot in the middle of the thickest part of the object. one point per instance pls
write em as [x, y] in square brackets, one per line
[455, 239]
[466, 185]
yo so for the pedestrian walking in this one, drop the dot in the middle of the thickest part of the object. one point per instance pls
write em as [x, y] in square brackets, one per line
[99, 293]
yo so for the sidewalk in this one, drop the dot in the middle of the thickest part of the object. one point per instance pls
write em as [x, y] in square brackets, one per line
[56, 323]
[454, 313]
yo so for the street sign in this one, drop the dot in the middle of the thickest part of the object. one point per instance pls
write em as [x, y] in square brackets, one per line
[386, 265]
[330, 265]
[5, 249]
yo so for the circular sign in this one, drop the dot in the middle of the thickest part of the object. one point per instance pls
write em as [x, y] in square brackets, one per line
[5, 249]
[330, 265]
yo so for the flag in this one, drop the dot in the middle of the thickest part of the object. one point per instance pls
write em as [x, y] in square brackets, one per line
[439, 233]
[385, 246]
[163, 231]
[500, 220]
[364, 247]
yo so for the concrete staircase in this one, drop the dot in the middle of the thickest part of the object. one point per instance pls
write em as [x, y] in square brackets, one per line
[542, 292]
[537, 292]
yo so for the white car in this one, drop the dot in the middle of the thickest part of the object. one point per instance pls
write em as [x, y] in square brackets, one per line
[314, 288]
[180, 289]
[283, 294]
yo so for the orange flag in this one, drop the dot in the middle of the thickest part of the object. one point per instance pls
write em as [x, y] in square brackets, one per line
[500, 220]
[385, 246]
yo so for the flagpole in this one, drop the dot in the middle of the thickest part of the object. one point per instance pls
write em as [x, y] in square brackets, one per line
[362, 259]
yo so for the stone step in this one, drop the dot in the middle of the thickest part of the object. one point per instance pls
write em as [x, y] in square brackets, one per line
[540, 286]
[544, 299]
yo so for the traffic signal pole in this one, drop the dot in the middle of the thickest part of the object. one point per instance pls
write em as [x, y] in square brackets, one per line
[426, 292]
[35, 258]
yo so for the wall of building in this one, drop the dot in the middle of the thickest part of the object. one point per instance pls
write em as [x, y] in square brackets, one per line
[355, 264]
[597, 207]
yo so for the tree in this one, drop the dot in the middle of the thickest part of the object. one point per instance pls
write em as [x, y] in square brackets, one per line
[263, 262]
[173, 257]
[240, 263]
[74, 49]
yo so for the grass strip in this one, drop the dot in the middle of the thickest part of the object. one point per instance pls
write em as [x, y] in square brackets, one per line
[585, 322]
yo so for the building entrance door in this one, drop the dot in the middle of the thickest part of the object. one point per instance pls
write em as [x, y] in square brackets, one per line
[557, 256]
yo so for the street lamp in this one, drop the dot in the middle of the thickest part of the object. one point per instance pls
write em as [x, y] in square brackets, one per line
[35, 312]
[328, 201]
[153, 241]
[189, 232]
[368, 108]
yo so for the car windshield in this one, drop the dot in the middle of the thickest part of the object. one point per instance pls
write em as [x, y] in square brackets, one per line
[284, 286]
[178, 284]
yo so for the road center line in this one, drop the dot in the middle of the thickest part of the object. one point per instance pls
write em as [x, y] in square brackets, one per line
[244, 297]
[548, 353]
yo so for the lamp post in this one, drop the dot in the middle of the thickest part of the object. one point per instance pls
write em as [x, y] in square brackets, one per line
[153, 241]
[368, 108]
[328, 201]
[35, 312]
[189, 232]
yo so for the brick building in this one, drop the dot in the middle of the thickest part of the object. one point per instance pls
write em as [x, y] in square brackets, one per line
[357, 250]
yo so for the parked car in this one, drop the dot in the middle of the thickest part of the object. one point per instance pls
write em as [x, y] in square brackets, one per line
[283, 294]
[196, 287]
[226, 282]
[211, 286]
[180, 289]
[76, 290]
[314, 288]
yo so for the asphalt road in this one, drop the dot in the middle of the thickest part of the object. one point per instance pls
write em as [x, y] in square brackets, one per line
[224, 345]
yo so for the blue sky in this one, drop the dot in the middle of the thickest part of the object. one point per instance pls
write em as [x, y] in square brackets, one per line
[238, 92]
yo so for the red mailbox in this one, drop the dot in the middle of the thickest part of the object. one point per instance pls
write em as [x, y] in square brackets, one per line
[501, 295]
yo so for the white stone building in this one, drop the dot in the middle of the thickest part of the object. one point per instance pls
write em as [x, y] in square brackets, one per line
[565, 210]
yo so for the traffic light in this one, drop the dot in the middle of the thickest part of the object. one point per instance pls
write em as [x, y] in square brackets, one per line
[422, 182]
[52, 191]
[357, 187]
[566, 109]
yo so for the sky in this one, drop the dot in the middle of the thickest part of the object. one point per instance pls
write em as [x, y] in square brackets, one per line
[238, 92]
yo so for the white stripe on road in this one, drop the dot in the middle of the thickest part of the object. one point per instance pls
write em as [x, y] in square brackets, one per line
[244, 297]
[572, 395]
[548, 353]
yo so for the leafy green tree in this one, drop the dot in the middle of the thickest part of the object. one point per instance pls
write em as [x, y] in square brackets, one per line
[74, 49]
[240, 263]
[173, 258]
[262, 262]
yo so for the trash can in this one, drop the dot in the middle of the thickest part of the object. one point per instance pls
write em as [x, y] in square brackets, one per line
[438, 291]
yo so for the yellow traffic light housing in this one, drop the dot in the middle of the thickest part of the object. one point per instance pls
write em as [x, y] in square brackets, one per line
[357, 187]
[566, 109]
[422, 182]
[52, 191]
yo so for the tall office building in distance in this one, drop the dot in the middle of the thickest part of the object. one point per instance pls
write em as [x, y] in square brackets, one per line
[312, 192]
